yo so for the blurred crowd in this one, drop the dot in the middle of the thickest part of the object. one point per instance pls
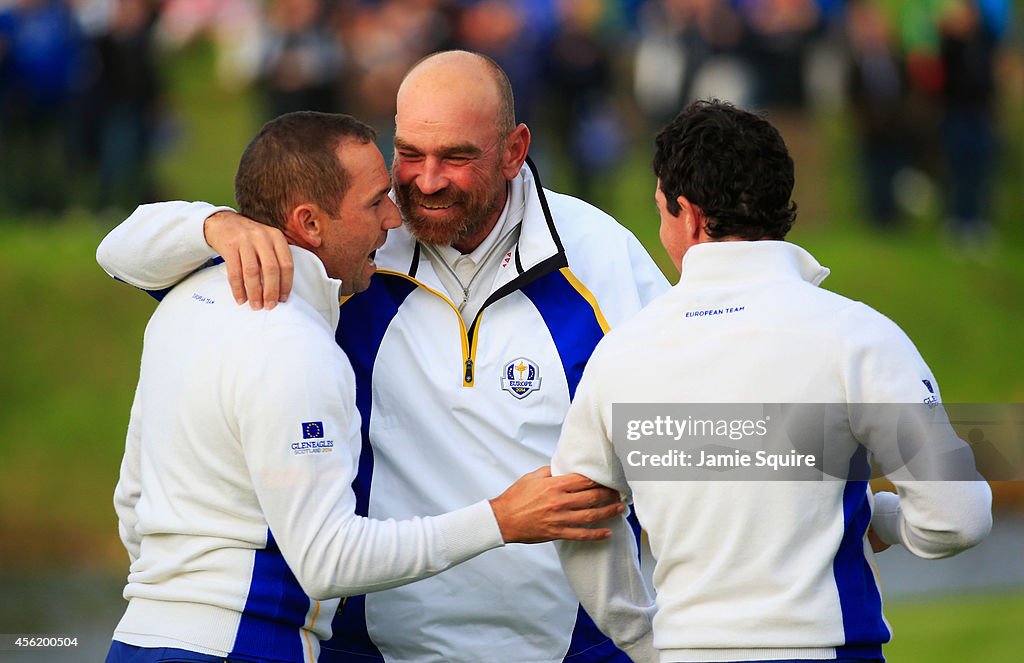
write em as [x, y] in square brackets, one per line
[82, 104]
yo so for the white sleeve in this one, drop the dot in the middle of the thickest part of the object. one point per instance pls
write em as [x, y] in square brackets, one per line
[300, 433]
[158, 245]
[604, 574]
[650, 282]
[129, 485]
[885, 373]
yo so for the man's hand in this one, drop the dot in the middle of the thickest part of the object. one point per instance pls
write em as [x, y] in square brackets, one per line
[877, 545]
[257, 257]
[539, 508]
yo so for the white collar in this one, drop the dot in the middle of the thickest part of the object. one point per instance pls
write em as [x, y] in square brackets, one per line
[511, 216]
[720, 263]
[312, 284]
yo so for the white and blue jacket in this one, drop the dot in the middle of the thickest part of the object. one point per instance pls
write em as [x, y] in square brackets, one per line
[234, 499]
[761, 569]
[453, 411]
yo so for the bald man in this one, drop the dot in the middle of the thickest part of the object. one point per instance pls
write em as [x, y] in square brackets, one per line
[467, 348]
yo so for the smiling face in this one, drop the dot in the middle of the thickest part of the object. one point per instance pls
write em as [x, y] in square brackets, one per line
[359, 227]
[452, 162]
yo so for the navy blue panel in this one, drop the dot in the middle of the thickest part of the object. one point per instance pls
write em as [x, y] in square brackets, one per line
[121, 653]
[275, 611]
[350, 642]
[590, 645]
[570, 319]
[858, 594]
[574, 328]
[365, 319]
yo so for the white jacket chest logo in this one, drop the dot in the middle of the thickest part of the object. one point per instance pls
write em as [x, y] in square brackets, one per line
[520, 377]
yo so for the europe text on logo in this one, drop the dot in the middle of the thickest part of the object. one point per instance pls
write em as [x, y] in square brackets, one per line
[520, 377]
[312, 429]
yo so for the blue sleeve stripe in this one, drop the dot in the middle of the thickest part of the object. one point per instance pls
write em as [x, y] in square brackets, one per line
[573, 321]
[275, 611]
[576, 325]
[859, 599]
[365, 319]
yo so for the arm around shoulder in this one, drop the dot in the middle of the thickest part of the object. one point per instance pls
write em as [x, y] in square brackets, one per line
[158, 245]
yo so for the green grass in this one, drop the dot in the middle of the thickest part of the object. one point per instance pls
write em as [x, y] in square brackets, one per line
[960, 629]
[72, 338]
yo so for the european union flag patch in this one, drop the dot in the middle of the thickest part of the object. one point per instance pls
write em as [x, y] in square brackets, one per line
[312, 429]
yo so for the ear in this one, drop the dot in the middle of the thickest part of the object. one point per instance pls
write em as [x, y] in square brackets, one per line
[693, 220]
[305, 226]
[517, 146]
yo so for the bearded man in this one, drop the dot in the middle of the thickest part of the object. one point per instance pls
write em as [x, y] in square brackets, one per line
[467, 349]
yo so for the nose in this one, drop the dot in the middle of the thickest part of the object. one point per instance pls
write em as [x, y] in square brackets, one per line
[391, 217]
[431, 177]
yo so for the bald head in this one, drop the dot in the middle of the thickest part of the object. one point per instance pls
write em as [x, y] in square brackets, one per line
[456, 148]
[458, 76]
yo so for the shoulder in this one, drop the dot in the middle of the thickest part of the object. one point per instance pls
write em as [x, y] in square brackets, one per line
[580, 224]
[860, 324]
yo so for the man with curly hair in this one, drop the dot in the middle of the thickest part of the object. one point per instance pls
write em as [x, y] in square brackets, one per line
[754, 570]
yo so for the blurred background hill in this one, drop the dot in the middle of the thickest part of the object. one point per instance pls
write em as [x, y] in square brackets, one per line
[904, 118]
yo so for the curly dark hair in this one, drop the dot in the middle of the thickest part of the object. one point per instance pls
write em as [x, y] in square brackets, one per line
[730, 163]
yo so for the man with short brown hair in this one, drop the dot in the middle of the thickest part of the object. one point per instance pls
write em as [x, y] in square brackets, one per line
[234, 500]
[467, 349]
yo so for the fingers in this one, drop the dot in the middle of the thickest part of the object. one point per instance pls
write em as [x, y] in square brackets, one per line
[574, 482]
[234, 264]
[268, 272]
[583, 534]
[596, 514]
[284, 259]
[251, 276]
[259, 262]
[539, 473]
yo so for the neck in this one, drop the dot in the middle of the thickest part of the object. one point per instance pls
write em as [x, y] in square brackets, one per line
[469, 244]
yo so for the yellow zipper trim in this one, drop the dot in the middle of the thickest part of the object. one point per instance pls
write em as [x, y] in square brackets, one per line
[471, 372]
[468, 355]
[306, 631]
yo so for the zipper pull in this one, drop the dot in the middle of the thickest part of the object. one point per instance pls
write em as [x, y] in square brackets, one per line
[469, 371]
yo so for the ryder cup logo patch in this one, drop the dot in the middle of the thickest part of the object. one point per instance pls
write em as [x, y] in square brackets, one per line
[520, 377]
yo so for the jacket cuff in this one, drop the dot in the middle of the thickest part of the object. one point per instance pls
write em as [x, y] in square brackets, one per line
[470, 531]
[885, 517]
[193, 241]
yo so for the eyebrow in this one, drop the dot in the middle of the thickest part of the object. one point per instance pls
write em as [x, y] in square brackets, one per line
[467, 149]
